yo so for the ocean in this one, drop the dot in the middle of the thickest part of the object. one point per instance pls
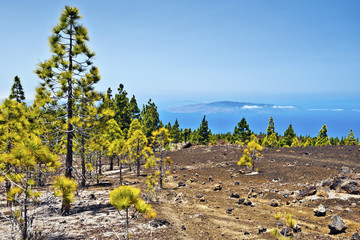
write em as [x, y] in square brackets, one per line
[304, 121]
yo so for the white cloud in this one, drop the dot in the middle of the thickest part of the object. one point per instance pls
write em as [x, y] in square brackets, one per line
[284, 107]
[250, 107]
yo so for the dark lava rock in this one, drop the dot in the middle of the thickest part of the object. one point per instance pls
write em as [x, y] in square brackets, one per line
[320, 211]
[187, 145]
[217, 187]
[202, 199]
[336, 225]
[307, 192]
[181, 184]
[246, 233]
[229, 211]
[159, 223]
[248, 203]
[351, 187]
[236, 183]
[262, 230]
[192, 180]
[356, 236]
[234, 195]
[183, 227]
[274, 203]
[241, 201]
[92, 196]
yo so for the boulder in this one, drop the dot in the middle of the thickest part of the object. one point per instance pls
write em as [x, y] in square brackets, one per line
[351, 187]
[320, 211]
[336, 225]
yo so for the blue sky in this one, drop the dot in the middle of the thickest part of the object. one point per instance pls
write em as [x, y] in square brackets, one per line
[279, 51]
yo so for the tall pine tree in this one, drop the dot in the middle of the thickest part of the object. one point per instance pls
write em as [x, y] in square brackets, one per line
[69, 66]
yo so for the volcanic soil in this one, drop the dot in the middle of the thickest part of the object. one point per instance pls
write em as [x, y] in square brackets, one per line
[204, 195]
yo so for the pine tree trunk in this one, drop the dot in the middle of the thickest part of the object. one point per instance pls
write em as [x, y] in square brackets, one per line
[111, 163]
[127, 224]
[83, 169]
[121, 165]
[24, 229]
[100, 164]
[161, 174]
[138, 159]
[70, 134]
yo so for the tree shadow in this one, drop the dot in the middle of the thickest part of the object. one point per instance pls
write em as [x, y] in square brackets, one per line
[94, 208]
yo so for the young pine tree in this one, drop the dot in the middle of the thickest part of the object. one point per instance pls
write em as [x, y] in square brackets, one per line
[69, 66]
[322, 139]
[251, 154]
[125, 197]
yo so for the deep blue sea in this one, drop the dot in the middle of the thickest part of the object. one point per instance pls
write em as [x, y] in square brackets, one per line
[304, 121]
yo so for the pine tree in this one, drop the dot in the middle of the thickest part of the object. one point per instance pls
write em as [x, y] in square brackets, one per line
[125, 197]
[160, 144]
[122, 108]
[350, 139]
[17, 91]
[149, 118]
[69, 66]
[271, 127]
[251, 154]
[134, 109]
[26, 155]
[241, 132]
[186, 134]
[322, 139]
[289, 135]
[175, 133]
[204, 132]
[65, 187]
[137, 145]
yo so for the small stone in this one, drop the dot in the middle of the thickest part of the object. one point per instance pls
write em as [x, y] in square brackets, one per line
[241, 201]
[274, 203]
[217, 187]
[202, 199]
[336, 225]
[262, 230]
[229, 211]
[246, 233]
[192, 180]
[183, 227]
[181, 184]
[234, 195]
[211, 179]
[248, 203]
[236, 183]
[320, 211]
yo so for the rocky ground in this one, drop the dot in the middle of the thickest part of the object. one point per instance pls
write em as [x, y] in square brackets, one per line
[208, 196]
